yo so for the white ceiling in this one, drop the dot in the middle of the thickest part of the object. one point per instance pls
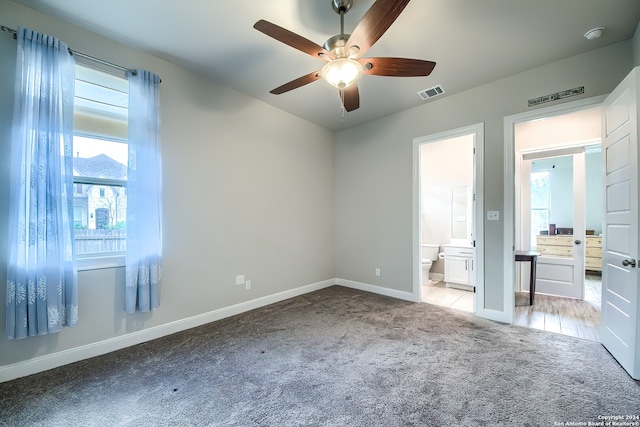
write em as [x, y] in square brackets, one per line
[472, 41]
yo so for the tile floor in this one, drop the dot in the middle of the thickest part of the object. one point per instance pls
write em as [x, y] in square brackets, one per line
[438, 294]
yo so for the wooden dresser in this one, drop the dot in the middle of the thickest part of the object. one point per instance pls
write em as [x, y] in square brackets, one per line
[561, 246]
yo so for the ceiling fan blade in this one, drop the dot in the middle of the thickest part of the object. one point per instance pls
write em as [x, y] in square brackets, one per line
[374, 24]
[294, 84]
[292, 39]
[351, 98]
[397, 67]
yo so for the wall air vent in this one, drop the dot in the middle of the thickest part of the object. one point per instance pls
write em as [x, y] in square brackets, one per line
[430, 93]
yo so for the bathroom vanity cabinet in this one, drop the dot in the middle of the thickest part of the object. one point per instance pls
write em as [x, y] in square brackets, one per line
[458, 267]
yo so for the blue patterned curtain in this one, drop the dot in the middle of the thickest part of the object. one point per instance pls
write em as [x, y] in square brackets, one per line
[144, 195]
[42, 290]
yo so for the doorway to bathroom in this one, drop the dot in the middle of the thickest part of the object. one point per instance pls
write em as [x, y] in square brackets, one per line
[448, 253]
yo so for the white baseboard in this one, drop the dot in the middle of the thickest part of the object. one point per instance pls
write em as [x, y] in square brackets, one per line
[498, 316]
[54, 360]
[65, 357]
[407, 296]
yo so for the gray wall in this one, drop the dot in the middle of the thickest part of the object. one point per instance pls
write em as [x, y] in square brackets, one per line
[248, 189]
[636, 46]
[374, 167]
[252, 190]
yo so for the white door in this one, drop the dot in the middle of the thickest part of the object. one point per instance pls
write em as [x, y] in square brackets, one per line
[555, 186]
[619, 327]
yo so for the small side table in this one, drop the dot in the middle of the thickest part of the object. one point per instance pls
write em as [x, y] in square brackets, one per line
[532, 258]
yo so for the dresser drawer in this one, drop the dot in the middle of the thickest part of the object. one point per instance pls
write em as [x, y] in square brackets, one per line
[562, 247]
[554, 240]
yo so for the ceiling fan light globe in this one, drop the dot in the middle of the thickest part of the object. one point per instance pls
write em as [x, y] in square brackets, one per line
[342, 72]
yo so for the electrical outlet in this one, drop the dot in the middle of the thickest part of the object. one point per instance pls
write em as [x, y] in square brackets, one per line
[240, 279]
[493, 215]
[247, 284]
[377, 271]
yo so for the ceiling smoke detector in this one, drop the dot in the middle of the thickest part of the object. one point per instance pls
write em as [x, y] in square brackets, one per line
[594, 33]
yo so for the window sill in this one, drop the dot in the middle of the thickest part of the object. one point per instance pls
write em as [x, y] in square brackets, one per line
[98, 263]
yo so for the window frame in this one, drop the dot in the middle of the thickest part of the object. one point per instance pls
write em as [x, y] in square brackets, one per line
[99, 260]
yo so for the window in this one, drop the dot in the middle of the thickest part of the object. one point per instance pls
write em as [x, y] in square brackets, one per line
[79, 217]
[539, 204]
[100, 162]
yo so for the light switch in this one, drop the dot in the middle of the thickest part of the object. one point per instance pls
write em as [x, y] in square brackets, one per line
[493, 215]
[240, 279]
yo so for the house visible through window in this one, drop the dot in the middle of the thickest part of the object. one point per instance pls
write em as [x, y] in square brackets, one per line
[100, 162]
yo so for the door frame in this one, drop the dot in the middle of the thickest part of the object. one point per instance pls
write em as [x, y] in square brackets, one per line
[522, 205]
[509, 181]
[477, 130]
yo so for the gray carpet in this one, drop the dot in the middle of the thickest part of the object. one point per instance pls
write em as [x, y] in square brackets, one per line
[336, 357]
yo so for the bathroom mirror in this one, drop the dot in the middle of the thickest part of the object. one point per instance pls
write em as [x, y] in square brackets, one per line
[461, 204]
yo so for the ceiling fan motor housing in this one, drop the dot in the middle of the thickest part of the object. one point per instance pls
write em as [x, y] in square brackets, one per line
[341, 6]
[336, 45]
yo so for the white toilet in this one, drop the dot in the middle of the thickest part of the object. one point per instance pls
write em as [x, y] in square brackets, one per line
[429, 255]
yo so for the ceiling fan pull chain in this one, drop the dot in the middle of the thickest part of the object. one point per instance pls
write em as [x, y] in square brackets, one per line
[342, 109]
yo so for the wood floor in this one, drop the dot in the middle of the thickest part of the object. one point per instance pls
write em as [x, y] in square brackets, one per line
[566, 316]
[578, 318]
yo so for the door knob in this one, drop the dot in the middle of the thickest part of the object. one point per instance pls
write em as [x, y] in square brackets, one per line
[577, 242]
[629, 262]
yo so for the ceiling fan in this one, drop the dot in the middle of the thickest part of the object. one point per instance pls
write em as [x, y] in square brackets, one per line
[343, 52]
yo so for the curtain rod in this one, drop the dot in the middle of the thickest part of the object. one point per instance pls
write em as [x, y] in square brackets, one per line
[75, 52]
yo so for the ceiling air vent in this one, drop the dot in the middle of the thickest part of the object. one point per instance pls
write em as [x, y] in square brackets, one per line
[430, 93]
